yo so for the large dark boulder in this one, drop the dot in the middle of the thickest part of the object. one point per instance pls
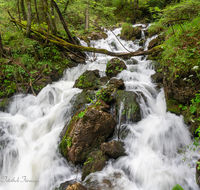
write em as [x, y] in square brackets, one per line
[157, 77]
[114, 67]
[88, 80]
[113, 149]
[96, 161]
[117, 83]
[131, 108]
[86, 131]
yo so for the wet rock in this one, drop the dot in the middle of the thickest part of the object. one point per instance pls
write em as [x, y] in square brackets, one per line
[98, 36]
[114, 67]
[119, 84]
[142, 42]
[88, 80]
[96, 161]
[86, 131]
[157, 77]
[129, 32]
[113, 45]
[132, 62]
[103, 80]
[75, 58]
[130, 107]
[198, 173]
[76, 186]
[63, 186]
[113, 149]
[153, 43]
[80, 100]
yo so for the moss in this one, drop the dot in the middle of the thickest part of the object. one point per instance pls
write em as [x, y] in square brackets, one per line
[173, 106]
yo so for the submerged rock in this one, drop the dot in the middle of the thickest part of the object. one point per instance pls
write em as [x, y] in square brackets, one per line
[113, 149]
[88, 80]
[130, 110]
[114, 67]
[96, 161]
[86, 131]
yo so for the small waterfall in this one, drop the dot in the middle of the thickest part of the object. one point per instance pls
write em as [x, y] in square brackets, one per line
[29, 134]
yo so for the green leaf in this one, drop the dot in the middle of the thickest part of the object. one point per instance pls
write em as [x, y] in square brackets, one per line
[177, 187]
[193, 109]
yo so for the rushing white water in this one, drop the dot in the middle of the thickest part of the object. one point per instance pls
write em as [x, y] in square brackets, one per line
[29, 134]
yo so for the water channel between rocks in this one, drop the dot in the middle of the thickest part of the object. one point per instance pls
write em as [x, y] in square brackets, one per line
[29, 134]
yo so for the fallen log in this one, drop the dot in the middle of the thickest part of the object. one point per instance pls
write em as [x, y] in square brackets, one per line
[60, 42]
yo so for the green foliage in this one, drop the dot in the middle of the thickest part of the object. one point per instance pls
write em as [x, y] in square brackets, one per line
[89, 159]
[69, 141]
[177, 187]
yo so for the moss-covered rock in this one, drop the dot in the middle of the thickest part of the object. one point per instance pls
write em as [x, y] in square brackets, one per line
[76, 186]
[88, 80]
[117, 83]
[198, 173]
[80, 100]
[86, 131]
[130, 107]
[113, 149]
[4, 103]
[173, 106]
[96, 161]
[129, 32]
[114, 67]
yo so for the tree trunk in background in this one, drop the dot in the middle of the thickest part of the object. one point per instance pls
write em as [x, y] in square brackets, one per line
[66, 6]
[1, 47]
[63, 21]
[49, 17]
[52, 13]
[36, 10]
[28, 28]
[134, 19]
[18, 10]
[23, 10]
[87, 17]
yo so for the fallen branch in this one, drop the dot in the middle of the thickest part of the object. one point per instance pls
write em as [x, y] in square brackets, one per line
[60, 42]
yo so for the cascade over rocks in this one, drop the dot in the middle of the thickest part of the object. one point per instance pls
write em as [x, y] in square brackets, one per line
[114, 67]
[88, 80]
[96, 161]
[131, 109]
[84, 133]
[113, 149]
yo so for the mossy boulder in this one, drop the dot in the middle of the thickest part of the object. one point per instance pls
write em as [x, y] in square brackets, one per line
[173, 106]
[130, 107]
[80, 100]
[88, 80]
[129, 32]
[86, 131]
[96, 161]
[98, 36]
[156, 41]
[114, 67]
[76, 186]
[113, 149]
[103, 80]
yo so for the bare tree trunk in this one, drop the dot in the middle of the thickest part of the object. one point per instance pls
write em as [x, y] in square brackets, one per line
[36, 10]
[49, 17]
[87, 17]
[23, 10]
[18, 10]
[63, 22]
[28, 28]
